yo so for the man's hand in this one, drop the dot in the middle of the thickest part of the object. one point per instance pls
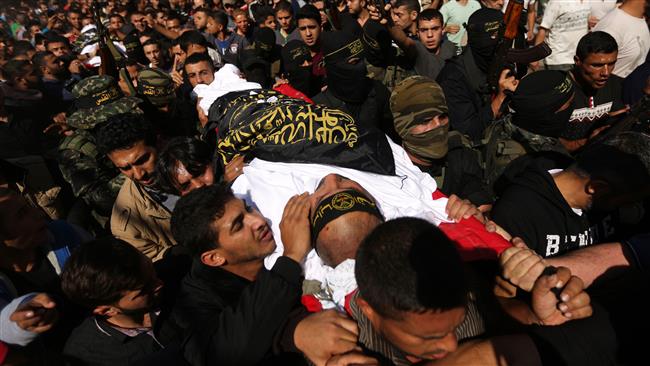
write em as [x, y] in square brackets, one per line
[75, 66]
[507, 82]
[203, 119]
[234, 169]
[493, 227]
[38, 315]
[352, 358]
[592, 21]
[452, 28]
[321, 336]
[376, 15]
[571, 303]
[521, 266]
[458, 209]
[295, 229]
[59, 125]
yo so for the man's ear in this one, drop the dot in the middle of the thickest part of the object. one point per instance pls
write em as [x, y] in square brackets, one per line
[597, 187]
[105, 310]
[414, 15]
[577, 61]
[368, 311]
[213, 258]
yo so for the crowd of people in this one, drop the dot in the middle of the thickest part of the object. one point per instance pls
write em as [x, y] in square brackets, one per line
[324, 182]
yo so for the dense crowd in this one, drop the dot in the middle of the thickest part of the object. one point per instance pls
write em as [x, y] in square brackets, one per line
[324, 182]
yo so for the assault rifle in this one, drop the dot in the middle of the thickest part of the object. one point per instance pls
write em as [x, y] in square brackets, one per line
[507, 57]
[638, 119]
[380, 5]
[113, 62]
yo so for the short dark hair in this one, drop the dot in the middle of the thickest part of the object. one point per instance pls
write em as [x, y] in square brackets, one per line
[430, 14]
[99, 272]
[219, 17]
[191, 37]
[596, 42]
[283, 5]
[409, 265]
[57, 39]
[194, 154]
[15, 69]
[39, 60]
[116, 15]
[411, 5]
[308, 11]
[198, 57]
[622, 160]
[260, 13]
[194, 215]
[152, 41]
[22, 47]
[123, 131]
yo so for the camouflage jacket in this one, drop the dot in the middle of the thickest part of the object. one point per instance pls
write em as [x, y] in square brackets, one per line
[91, 175]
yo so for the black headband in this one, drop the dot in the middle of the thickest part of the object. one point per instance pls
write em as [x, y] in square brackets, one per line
[155, 91]
[100, 98]
[353, 49]
[339, 204]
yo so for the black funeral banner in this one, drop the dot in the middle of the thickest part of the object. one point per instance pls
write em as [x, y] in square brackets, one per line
[274, 127]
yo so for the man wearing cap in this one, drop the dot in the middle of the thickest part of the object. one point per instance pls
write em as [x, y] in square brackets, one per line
[348, 86]
[420, 116]
[91, 175]
[172, 116]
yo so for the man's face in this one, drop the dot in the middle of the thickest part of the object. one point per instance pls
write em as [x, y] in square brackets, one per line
[74, 20]
[152, 51]
[435, 122]
[430, 33]
[144, 299]
[200, 20]
[596, 68]
[186, 182]
[212, 26]
[179, 55]
[309, 31]
[269, 22]
[161, 18]
[355, 6]
[320, 5]
[284, 19]
[242, 23]
[137, 163]
[244, 234]
[228, 8]
[173, 25]
[116, 23]
[426, 336]
[138, 22]
[30, 80]
[402, 17]
[199, 73]
[22, 226]
[58, 48]
[34, 30]
[53, 65]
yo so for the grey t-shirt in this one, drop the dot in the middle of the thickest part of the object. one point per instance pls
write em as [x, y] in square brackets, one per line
[429, 64]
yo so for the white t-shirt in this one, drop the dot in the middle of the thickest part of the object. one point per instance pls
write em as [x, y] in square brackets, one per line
[566, 22]
[455, 13]
[600, 8]
[632, 36]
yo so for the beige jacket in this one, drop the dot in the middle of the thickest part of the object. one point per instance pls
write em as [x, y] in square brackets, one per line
[141, 221]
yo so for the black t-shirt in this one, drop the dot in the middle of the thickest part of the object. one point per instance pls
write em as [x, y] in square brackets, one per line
[591, 108]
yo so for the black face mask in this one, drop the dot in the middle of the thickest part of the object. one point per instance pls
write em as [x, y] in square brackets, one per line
[302, 80]
[348, 82]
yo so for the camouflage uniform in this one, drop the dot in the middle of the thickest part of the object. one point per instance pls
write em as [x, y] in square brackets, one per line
[92, 176]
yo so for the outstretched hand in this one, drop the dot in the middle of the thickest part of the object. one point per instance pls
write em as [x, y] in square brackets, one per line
[38, 315]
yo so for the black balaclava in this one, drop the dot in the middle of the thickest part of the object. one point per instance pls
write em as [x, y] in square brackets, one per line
[347, 81]
[265, 44]
[256, 69]
[537, 99]
[482, 31]
[294, 55]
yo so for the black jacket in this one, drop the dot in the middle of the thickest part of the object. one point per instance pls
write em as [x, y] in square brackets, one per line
[95, 342]
[533, 208]
[468, 98]
[232, 321]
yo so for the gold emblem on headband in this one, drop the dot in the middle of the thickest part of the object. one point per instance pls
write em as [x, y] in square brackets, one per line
[106, 96]
[342, 202]
[353, 49]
